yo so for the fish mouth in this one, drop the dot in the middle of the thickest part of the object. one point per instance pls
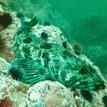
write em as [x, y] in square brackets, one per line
[100, 86]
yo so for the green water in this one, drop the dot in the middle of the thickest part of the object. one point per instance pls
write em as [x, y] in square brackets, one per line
[92, 34]
[73, 10]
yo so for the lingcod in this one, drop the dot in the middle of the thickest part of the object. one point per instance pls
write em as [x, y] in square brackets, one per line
[39, 60]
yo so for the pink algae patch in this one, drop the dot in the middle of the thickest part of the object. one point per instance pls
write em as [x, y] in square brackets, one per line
[5, 103]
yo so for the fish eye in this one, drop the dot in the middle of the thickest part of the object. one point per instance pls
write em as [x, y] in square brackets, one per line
[83, 70]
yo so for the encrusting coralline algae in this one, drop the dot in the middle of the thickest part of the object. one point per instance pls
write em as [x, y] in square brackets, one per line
[44, 56]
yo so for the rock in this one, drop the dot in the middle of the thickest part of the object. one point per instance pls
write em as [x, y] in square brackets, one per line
[50, 94]
[12, 92]
[8, 34]
[4, 65]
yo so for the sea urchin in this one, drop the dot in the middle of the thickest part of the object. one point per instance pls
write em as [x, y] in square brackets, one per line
[5, 19]
[87, 95]
[15, 73]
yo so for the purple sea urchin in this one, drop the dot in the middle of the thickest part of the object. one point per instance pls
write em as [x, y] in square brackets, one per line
[77, 48]
[87, 95]
[64, 44]
[5, 19]
[104, 99]
[28, 71]
[15, 73]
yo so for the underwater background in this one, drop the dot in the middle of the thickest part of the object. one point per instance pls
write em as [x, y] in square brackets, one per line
[84, 22]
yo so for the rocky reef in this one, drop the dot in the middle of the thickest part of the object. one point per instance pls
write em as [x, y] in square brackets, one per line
[40, 68]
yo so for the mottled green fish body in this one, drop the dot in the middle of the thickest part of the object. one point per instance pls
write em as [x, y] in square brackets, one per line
[39, 61]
